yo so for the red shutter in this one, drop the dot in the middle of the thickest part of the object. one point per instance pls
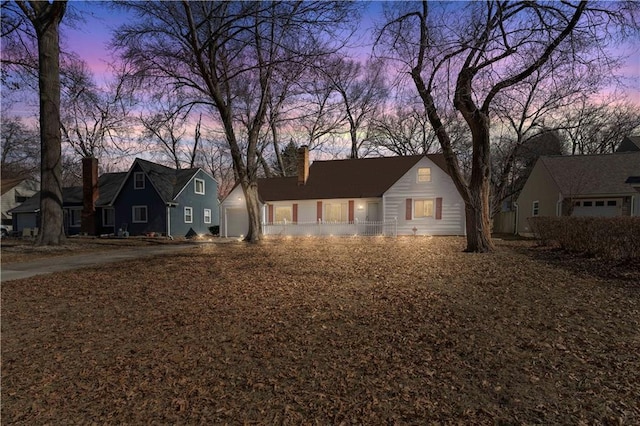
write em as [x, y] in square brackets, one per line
[408, 214]
[270, 213]
[319, 210]
[438, 208]
[351, 214]
[294, 214]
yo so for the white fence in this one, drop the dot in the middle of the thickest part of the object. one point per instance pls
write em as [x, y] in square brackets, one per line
[364, 228]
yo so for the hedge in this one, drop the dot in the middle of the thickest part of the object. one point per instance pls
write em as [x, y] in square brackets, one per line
[608, 237]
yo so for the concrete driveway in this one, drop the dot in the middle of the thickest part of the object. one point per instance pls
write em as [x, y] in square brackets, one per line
[16, 271]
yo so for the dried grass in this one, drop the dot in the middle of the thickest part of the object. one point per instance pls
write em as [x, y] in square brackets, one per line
[331, 331]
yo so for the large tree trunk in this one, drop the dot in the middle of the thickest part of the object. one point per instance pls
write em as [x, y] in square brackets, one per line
[254, 234]
[47, 28]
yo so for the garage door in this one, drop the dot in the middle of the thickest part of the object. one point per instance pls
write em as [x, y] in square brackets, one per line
[237, 222]
[600, 208]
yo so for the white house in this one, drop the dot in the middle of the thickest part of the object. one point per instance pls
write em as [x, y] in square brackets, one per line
[371, 196]
[14, 193]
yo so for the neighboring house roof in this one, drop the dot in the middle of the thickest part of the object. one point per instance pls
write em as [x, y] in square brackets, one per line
[629, 143]
[7, 184]
[353, 178]
[71, 195]
[167, 182]
[108, 185]
[593, 174]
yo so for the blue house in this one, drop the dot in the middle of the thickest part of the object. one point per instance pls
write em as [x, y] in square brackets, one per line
[159, 199]
[148, 199]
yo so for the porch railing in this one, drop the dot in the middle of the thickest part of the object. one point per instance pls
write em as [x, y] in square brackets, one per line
[388, 228]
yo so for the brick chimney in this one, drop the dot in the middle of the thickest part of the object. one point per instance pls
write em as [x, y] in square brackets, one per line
[303, 165]
[89, 196]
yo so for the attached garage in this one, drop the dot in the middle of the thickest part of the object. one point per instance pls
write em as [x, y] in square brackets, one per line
[235, 222]
[598, 207]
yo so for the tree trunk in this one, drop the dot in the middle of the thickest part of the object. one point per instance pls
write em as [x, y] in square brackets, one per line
[52, 217]
[478, 207]
[254, 234]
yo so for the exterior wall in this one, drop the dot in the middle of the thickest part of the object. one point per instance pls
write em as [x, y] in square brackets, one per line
[440, 186]
[129, 197]
[234, 220]
[538, 187]
[25, 220]
[198, 202]
[8, 201]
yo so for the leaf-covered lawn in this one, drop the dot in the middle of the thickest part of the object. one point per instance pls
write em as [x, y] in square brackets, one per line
[326, 331]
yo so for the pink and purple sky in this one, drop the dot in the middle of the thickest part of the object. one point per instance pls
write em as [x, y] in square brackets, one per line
[90, 38]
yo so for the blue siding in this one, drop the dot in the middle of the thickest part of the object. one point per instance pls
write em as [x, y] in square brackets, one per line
[129, 197]
[198, 202]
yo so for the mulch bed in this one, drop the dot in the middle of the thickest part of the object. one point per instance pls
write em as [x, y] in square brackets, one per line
[324, 331]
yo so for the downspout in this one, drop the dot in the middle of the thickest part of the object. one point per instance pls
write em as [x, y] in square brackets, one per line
[225, 224]
[515, 228]
[633, 206]
[169, 206]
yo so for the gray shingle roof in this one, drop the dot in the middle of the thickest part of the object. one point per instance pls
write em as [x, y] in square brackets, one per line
[353, 178]
[593, 174]
[629, 143]
[167, 181]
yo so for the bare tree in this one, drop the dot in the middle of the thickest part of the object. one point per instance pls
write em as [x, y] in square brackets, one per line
[19, 148]
[362, 91]
[598, 127]
[45, 18]
[404, 131]
[218, 51]
[500, 45]
[96, 120]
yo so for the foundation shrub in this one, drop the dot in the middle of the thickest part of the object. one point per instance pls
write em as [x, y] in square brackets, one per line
[608, 237]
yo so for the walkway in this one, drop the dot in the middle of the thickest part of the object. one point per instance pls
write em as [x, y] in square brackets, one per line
[16, 271]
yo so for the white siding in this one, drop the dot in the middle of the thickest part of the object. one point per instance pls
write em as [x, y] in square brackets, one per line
[441, 186]
[234, 220]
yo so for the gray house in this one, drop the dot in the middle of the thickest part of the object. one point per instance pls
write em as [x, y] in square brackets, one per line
[582, 185]
[148, 199]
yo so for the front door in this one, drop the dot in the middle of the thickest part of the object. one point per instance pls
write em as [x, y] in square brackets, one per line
[373, 227]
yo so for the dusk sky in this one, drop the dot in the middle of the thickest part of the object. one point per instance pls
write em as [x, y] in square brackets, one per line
[89, 39]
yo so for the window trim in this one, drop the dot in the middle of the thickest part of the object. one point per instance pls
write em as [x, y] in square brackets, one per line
[418, 178]
[135, 180]
[207, 216]
[344, 212]
[133, 214]
[422, 200]
[535, 208]
[72, 215]
[195, 186]
[104, 212]
[190, 209]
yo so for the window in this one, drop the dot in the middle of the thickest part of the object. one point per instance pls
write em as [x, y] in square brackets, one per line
[577, 204]
[424, 174]
[139, 214]
[612, 203]
[188, 215]
[422, 208]
[535, 208]
[334, 212]
[207, 215]
[108, 217]
[587, 203]
[138, 181]
[283, 213]
[599, 203]
[75, 217]
[199, 186]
